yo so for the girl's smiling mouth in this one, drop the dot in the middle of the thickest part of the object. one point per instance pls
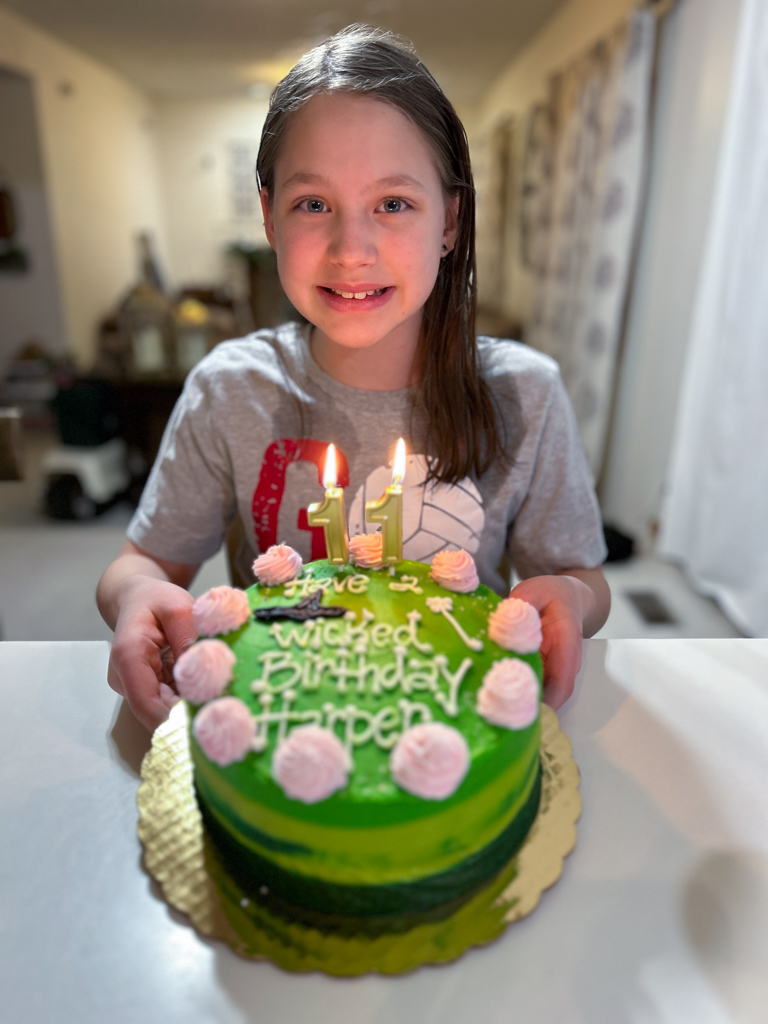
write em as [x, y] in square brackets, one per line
[347, 297]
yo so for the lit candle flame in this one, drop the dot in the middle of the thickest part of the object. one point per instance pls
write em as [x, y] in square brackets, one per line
[398, 464]
[329, 472]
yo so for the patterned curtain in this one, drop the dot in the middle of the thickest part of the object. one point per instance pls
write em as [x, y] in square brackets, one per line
[495, 189]
[582, 190]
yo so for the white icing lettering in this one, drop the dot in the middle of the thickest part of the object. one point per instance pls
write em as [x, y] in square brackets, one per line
[407, 634]
[424, 676]
[357, 584]
[353, 738]
[381, 634]
[335, 634]
[444, 606]
[409, 708]
[322, 665]
[273, 663]
[289, 696]
[385, 719]
[407, 583]
[391, 676]
[450, 703]
[359, 725]
[298, 635]
[348, 670]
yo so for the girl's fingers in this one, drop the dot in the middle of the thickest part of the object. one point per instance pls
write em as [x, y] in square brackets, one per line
[180, 633]
[561, 652]
[136, 671]
[168, 696]
[178, 629]
[153, 629]
[558, 603]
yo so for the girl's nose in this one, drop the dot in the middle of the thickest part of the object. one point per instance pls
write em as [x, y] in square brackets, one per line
[352, 242]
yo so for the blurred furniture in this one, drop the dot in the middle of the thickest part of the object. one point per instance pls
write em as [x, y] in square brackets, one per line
[269, 304]
[142, 409]
[13, 258]
[660, 914]
[11, 462]
[151, 338]
[30, 384]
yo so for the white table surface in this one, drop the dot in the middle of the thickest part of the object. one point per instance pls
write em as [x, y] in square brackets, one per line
[661, 914]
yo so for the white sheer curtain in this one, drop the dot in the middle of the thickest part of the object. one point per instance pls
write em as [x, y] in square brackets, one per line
[586, 235]
[715, 515]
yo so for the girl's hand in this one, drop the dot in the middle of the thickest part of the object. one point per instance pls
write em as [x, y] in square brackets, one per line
[153, 628]
[572, 605]
[143, 599]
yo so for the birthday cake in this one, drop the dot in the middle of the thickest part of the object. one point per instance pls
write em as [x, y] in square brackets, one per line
[365, 739]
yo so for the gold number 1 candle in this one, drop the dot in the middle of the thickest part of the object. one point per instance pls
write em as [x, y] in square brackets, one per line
[329, 513]
[388, 510]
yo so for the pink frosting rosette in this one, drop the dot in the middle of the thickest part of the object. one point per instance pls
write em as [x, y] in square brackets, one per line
[515, 625]
[455, 570]
[220, 610]
[310, 764]
[203, 670]
[430, 760]
[509, 695]
[366, 550]
[279, 564]
[225, 730]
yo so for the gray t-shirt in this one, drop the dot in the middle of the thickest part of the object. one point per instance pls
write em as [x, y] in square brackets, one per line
[249, 433]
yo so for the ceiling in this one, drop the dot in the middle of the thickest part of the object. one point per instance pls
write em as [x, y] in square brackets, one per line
[220, 47]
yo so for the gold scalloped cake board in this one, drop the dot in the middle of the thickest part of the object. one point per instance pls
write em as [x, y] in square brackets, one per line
[178, 855]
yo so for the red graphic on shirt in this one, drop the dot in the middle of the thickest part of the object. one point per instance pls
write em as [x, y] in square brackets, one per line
[268, 495]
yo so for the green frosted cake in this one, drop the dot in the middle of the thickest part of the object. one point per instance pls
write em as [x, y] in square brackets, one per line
[365, 754]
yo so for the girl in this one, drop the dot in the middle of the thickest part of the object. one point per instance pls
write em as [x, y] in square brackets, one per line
[367, 197]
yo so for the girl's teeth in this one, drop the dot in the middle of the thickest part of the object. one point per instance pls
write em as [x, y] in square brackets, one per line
[358, 295]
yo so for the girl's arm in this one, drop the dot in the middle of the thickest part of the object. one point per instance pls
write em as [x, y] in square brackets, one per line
[573, 604]
[145, 601]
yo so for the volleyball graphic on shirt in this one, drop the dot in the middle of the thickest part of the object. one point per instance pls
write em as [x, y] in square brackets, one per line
[436, 516]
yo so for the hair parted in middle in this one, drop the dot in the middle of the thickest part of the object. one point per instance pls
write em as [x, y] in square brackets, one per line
[463, 432]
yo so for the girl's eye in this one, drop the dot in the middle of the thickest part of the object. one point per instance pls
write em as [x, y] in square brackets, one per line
[314, 205]
[393, 205]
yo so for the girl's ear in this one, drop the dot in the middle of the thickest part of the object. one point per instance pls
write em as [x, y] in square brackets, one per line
[451, 222]
[269, 221]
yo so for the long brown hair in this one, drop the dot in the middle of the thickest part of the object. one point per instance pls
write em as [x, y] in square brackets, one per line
[463, 432]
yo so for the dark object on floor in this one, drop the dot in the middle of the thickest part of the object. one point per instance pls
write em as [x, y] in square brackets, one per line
[651, 607]
[85, 413]
[65, 499]
[620, 546]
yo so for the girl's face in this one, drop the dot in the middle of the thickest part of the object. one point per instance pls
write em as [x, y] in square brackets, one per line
[358, 220]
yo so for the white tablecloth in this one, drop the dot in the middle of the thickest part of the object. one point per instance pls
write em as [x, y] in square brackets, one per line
[661, 914]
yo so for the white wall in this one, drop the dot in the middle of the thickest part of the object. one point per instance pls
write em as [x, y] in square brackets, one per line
[195, 140]
[98, 150]
[693, 86]
[29, 302]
